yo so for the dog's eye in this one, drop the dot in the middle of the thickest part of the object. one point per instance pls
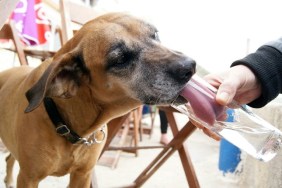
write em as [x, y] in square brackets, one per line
[120, 58]
[155, 36]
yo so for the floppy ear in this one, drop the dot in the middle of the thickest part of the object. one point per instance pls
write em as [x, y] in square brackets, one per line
[61, 79]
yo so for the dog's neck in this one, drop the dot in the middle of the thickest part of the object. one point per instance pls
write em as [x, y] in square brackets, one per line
[84, 116]
[80, 112]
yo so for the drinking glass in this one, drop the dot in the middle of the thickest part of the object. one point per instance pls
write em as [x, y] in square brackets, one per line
[248, 131]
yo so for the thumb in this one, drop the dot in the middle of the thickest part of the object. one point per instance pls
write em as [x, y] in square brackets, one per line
[226, 91]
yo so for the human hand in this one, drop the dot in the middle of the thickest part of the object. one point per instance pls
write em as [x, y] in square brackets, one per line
[238, 83]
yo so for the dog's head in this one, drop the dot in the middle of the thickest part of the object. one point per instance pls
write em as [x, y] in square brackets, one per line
[120, 58]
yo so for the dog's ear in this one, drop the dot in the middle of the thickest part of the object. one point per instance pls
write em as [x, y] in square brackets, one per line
[61, 79]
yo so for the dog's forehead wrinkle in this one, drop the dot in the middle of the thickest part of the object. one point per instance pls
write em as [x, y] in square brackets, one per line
[127, 38]
[129, 26]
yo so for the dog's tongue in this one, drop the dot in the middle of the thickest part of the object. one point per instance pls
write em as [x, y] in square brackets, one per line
[202, 101]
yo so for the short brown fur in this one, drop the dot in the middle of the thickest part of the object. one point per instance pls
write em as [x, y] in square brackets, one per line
[112, 65]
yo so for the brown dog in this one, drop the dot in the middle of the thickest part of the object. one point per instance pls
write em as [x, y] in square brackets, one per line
[112, 65]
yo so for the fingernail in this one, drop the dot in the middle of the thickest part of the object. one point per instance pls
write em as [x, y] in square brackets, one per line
[223, 97]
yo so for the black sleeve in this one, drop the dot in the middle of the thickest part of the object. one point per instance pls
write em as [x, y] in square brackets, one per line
[266, 63]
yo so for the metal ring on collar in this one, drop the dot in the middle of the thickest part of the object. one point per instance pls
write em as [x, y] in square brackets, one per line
[104, 135]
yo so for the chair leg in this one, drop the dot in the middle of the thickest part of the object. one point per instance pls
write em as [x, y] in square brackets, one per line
[174, 145]
[121, 143]
[184, 155]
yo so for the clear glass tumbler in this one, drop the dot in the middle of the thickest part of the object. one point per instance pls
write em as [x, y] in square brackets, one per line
[248, 132]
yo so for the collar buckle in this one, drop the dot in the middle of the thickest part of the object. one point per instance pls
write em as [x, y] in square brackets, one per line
[62, 130]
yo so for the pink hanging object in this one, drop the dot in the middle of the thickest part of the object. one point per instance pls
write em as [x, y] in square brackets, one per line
[31, 22]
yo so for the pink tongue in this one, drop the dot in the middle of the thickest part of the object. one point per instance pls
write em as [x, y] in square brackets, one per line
[202, 102]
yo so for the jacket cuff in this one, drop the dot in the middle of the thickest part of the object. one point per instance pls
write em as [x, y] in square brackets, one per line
[266, 65]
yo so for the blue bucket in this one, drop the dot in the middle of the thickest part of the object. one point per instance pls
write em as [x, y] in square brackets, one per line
[229, 156]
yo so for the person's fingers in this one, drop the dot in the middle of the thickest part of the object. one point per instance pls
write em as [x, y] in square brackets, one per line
[227, 87]
[238, 83]
[213, 79]
[227, 91]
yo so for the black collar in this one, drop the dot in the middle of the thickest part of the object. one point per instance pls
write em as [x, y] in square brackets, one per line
[63, 130]
[60, 125]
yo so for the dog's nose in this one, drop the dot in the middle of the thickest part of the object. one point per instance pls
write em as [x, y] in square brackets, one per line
[188, 69]
[183, 70]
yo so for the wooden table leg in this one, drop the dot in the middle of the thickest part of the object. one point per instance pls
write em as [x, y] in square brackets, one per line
[174, 145]
[184, 154]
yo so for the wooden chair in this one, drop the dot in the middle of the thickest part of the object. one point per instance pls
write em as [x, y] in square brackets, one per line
[135, 117]
[69, 11]
[73, 13]
[148, 129]
[176, 144]
[9, 32]
[126, 139]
